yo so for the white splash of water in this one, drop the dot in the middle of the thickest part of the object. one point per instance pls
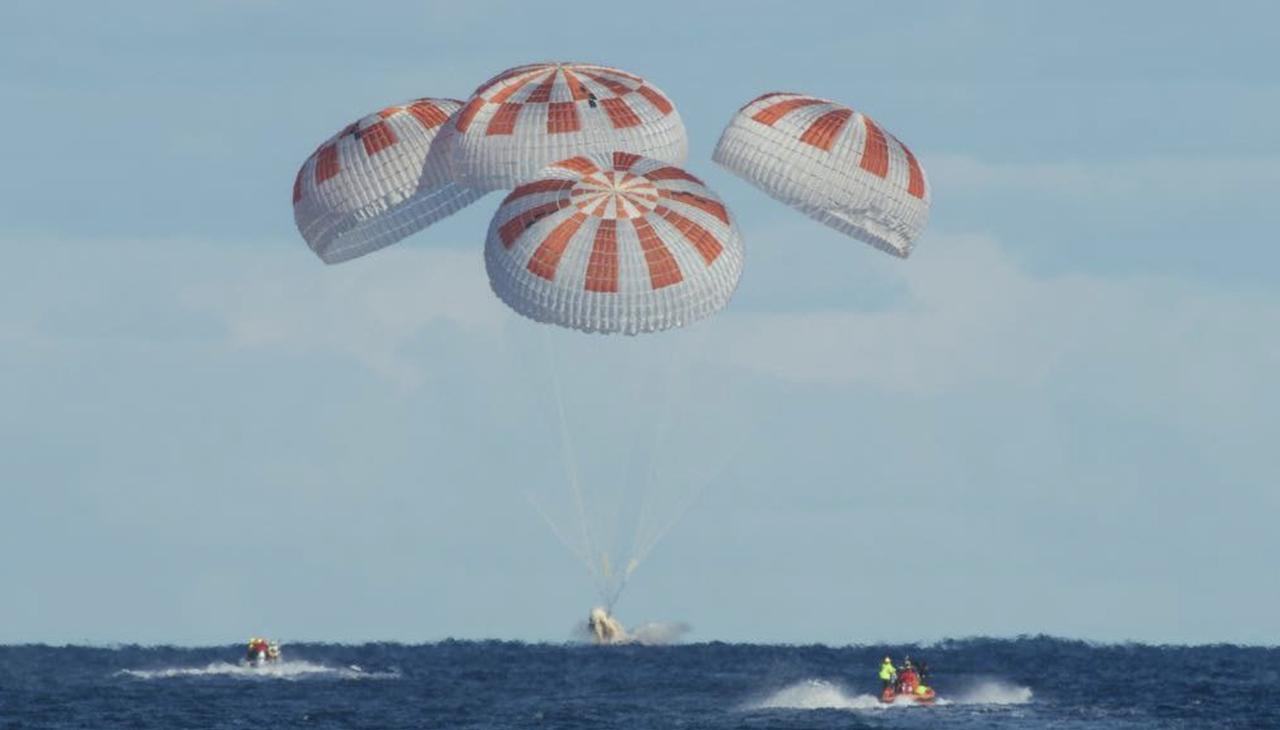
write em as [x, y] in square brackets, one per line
[659, 633]
[288, 670]
[820, 694]
[653, 633]
[816, 694]
[994, 692]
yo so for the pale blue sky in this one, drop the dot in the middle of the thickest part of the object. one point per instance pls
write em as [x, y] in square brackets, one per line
[1058, 415]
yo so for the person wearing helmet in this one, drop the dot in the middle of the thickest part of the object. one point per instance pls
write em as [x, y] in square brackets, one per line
[259, 650]
[921, 670]
[888, 674]
[907, 677]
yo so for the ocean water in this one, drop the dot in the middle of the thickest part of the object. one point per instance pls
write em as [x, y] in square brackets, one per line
[982, 683]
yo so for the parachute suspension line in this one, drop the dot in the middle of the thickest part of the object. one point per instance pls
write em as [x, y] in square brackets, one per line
[555, 529]
[649, 475]
[632, 477]
[643, 551]
[698, 485]
[571, 465]
[645, 541]
[616, 582]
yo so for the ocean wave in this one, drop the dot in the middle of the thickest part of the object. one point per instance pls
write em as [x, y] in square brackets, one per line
[994, 692]
[659, 633]
[287, 670]
[820, 694]
[816, 694]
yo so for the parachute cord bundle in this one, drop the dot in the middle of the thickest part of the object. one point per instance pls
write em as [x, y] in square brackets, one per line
[570, 463]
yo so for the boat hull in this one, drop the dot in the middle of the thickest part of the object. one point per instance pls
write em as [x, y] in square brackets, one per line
[890, 696]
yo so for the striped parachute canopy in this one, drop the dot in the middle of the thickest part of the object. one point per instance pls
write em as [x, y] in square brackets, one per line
[833, 164]
[376, 182]
[528, 117]
[613, 242]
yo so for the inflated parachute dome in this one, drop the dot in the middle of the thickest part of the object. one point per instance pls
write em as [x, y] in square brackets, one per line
[377, 181]
[613, 243]
[528, 117]
[832, 163]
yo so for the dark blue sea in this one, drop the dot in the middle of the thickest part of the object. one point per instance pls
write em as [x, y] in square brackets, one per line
[982, 683]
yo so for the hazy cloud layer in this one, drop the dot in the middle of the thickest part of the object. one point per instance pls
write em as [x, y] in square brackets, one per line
[370, 309]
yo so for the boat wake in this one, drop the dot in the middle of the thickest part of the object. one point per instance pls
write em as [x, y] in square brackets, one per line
[820, 694]
[994, 692]
[816, 694]
[659, 633]
[654, 633]
[287, 670]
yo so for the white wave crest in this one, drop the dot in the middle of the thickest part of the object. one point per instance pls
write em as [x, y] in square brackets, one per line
[659, 633]
[816, 694]
[654, 633]
[994, 692]
[820, 694]
[288, 670]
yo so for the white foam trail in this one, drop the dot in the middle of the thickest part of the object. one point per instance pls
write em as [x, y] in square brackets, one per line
[289, 670]
[659, 633]
[994, 692]
[819, 694]
[816, 694]
[654, 633]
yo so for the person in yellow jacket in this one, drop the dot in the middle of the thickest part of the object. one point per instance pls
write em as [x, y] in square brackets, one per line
[888, 673]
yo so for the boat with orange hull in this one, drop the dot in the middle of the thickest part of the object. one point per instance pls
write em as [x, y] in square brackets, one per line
[262, 652]
[922, 696]
[908, 687]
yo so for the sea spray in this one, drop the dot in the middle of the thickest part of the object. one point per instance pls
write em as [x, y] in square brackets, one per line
[287, 670]
[815, 694]
[994, 692]
[821, 694]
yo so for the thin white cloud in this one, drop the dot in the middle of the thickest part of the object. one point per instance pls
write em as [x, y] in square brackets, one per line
[967, 316]
[964, 317]
[370, 309]
[1166, 180]
[972, 317]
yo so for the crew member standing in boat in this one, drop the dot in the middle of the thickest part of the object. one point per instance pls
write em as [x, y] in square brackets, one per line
[888, 674]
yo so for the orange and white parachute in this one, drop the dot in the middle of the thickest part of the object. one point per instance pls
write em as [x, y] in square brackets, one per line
[528, 117]
[614, 242]
[377, 181]
[832, 163]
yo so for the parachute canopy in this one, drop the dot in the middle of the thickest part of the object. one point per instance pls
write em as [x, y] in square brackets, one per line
[528, 117]
[376, 182]
[613, 243]
[832, 163]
